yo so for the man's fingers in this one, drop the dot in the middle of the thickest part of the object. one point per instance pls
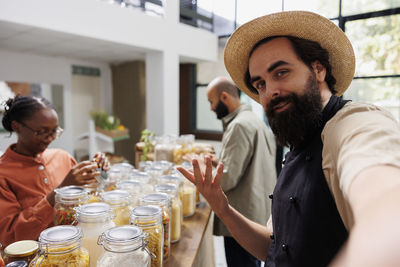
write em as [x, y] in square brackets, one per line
[218, 176]
[187, 174]
[197, 172]
[208, 171]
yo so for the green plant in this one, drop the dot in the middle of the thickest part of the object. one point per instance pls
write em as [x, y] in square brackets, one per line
[147, 139]
[105, 121]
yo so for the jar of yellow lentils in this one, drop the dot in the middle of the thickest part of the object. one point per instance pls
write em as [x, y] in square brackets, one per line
[119, 200]
[61, 246]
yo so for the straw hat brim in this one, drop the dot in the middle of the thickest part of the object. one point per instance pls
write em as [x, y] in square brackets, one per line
[302, 24]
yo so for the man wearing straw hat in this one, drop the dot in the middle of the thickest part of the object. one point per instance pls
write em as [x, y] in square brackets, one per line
[336, 199]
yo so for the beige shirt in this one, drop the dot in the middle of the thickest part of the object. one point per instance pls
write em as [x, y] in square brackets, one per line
[249, 176]
[357, 137]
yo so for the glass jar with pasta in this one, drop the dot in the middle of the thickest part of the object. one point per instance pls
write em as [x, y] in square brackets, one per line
[94, 219]
[66, 199]
[119, 201]
[149, 219]
[124, 246]
[162, 200]
[61, 246]
[176, 208]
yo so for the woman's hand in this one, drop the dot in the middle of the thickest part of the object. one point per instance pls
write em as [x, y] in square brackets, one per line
[102, 161]
[82, 173]
[208, 186]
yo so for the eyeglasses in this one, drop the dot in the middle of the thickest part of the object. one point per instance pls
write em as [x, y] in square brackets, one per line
[45, 133]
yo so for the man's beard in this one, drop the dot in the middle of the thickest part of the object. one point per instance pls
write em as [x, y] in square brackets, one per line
[302, 117]
[221, 110]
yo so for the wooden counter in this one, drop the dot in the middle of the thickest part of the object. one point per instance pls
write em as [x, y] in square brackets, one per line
[195, 248]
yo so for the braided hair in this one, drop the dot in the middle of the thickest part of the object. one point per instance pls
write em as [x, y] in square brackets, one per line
[20, 108]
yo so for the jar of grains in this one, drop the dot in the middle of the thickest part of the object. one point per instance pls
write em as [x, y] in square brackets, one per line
[93, 219]
[66, 199]
[61, 246]
[119, 201]
[162, 200]
[176, 208]
[149, 219]
[124, 246]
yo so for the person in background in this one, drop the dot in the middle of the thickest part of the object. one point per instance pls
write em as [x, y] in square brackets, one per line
[248, 154]
[336, 201]
[29, 171]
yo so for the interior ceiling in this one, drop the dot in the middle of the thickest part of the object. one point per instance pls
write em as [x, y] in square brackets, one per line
[26, 39]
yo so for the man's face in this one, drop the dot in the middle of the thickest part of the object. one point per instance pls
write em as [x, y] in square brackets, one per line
[288, 91]
[216, 105]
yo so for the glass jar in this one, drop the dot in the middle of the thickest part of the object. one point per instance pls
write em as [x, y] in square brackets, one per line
[61, 246]
[176, 207]
[66, 199]
[93, 219]
[134, 188]
[144, 178]
[154, 173]
[124, 246]
[119, 200]
[166, 166]
[172, 179]
[93, 191]
[189, 199]
[124, 168]
[164, 148]
[114, 176]
[24, 250]
[149, 219]
[162, 200]
[144, 164]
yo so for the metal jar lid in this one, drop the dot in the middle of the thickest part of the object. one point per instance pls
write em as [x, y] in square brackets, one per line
[22, 248]
[61, 234]
[93, 210]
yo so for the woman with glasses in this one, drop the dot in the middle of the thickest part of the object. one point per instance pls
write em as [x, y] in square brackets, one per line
[29, 170]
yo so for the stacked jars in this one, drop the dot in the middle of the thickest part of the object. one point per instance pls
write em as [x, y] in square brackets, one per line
[119, 200]
[144, 178]
[93, 219]
[134, 188]
[162, 200]
[61, 246]
[24, 250]
[149, 219]
[124, 246]
[176, 207]
[66, 199]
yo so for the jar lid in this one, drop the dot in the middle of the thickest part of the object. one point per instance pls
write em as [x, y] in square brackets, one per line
[156, 198]
[93, 210]
[146, 211]
[129, 184]
[122, 234]
[60, 234]
[166, 188]
[174, 179]
[22, 248]
[17, 264]
[115, 196]
[71, 191]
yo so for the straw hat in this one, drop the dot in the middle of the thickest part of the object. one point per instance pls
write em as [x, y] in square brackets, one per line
[302, 24]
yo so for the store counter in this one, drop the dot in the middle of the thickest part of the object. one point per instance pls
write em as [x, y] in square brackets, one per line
[195, 248]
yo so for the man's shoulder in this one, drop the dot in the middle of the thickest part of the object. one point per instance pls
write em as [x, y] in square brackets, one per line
[359, 109]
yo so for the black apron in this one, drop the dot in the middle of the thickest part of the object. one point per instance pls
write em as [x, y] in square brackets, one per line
[308, 230]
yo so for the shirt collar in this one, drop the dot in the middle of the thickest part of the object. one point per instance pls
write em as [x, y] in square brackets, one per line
[228, 118]
[22, 158]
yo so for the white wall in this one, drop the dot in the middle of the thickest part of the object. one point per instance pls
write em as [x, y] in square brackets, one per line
[20, 67]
